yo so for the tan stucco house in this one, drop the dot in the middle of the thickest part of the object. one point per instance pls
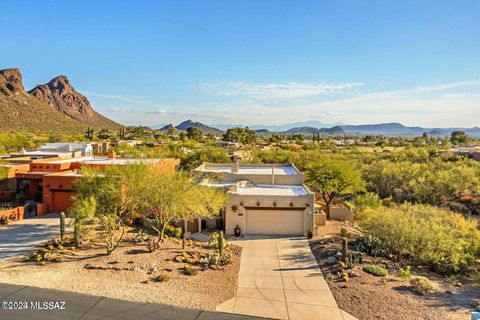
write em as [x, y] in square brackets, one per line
[263, 199]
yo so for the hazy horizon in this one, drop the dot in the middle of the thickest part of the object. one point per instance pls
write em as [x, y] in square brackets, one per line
[256, 62]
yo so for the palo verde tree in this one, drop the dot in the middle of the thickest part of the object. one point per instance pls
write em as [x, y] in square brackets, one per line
[177, 196]
[115, 193]
[334, 178]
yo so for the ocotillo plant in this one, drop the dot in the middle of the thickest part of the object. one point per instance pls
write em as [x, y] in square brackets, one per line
[344, 249]
[62, 225]
[220, 244]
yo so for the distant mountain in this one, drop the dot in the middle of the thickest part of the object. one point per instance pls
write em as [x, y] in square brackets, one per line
[382, 128]
[262, 132]
[397, 129]
[49, 108]
[202, 127]
[280, 128]
[311, 130]
[165, 127]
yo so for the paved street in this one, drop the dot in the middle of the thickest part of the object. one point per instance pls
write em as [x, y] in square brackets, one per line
[21, 236]
[279, 278]
[85, 307]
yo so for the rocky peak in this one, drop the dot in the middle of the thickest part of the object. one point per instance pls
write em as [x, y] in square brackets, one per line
[61, 94]
[11, 82]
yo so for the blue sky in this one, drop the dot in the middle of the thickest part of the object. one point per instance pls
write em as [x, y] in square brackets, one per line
[255, 62]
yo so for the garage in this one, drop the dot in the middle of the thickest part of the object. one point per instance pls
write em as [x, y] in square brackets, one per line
[62, 201]
[275, 222]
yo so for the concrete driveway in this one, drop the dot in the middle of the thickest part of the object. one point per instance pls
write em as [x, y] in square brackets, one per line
[19, 237]
[279, 278]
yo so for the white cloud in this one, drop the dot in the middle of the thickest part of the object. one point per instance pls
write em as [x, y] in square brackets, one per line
[441, 105]
[125, 98]
[276, 91]
[454, 95]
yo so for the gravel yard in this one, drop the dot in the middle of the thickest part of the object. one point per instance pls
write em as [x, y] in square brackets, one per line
[130, 272]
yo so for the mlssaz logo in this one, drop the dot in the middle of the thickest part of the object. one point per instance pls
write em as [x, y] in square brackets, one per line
[47, 305]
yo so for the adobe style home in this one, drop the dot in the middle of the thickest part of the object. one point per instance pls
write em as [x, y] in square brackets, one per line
[46, 176]
[263, 199]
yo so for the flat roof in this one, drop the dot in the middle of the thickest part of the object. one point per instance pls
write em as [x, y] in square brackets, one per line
[275, 190]
[121, 161]
[261, 170]
[79, 159]
[71, 174]
[35, 172]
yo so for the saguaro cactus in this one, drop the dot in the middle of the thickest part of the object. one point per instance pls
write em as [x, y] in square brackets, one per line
[220, 244]
[62, 226]
[344, 249]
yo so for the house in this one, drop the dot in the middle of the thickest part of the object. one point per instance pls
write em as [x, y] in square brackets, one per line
[470, 152]
[81, 148]
[51, 182]
[265, 199]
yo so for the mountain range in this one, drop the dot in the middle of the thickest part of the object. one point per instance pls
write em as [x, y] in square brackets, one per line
[281, 127]
[52, 107]
[311, 127]
[57, 107]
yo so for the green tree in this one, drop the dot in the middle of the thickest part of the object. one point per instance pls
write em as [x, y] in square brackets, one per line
[83, 209]
[104, 134]
[192, 160]
[177, 196]
[459, 137]
[242, 135]
[334, 178]
[116, 196]
[89, 133]
[194, 134]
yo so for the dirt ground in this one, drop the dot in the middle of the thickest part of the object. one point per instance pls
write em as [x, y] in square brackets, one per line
[129, 274]
[371, 298]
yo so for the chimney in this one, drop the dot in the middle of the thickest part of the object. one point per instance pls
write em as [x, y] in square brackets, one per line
[111, 155]
[235, 166]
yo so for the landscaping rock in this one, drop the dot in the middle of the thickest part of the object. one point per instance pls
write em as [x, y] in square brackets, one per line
[352, 274]
[332, 260]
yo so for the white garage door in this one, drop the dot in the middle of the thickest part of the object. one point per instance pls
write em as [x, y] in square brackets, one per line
[275, 222]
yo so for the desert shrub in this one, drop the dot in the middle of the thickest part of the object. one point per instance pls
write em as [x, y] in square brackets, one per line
[140, 236]
[189, 271]
[153, 245]
[445, 241]
[173, 231]
[375, 270]
[421, 285]
[344, 233]
[405, 272]
[20, 198]
[364, 201]
[162, 277]
[372, 245]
